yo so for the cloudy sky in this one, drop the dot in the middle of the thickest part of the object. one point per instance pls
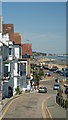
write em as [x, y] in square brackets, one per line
[42, 23]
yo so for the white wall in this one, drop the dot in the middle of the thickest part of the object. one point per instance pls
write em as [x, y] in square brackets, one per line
[5, 39]
[15, 85]
[15, 69]
[17, 52]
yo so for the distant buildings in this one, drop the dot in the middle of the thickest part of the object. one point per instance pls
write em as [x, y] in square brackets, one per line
[15, 61]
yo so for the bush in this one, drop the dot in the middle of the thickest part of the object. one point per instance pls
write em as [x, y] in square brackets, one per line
[18, 90]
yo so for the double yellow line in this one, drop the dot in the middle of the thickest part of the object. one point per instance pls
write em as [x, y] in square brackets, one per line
[7, 107]
[43, 111]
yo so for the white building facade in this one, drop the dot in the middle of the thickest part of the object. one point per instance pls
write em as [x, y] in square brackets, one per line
[14, 69]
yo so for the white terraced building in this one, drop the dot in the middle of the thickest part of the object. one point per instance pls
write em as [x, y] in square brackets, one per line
[15, 61]
[13, 68]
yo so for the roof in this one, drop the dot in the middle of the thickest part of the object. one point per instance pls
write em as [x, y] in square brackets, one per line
[27, 49]
[9, 28]
[17, 39]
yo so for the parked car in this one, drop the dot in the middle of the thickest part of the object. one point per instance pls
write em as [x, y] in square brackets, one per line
[48, 74]
[66, 74]
[56, 86]
[65, 69]
[42, 90]
[46, 67]
[66, 91]
[61, 73]
[58, 71]
[54, 68]
[65, 85]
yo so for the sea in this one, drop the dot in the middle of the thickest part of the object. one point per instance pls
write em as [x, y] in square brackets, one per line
[60, 59]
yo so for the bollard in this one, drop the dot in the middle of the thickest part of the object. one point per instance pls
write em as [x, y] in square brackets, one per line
[61, 101]
[65, 104]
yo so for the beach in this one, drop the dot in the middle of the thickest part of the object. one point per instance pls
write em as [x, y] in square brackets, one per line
[60, 62]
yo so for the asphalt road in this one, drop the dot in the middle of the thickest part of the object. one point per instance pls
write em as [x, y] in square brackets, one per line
[55, 75]
[29, 104]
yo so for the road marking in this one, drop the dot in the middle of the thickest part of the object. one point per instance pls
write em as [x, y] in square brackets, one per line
[50, 116]
[7, 107]
[43, 111]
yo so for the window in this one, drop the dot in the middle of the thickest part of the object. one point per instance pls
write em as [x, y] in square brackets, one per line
[10, 51]
[20, 51]
[18, 69]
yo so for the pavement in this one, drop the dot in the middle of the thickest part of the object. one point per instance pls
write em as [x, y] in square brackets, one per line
[55, 110]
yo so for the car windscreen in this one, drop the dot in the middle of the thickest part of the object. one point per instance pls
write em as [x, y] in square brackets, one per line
[56, 85]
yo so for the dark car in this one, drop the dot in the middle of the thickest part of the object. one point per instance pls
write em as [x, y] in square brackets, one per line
[66, 74]
[46, 67]
[66, 91]
[64, 69]
[56, 86]
[54, 68]
[42, 90]
[58, 71]
[61, 73]
[48, 74]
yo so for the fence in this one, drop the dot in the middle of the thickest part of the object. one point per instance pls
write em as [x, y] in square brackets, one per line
[62, 102]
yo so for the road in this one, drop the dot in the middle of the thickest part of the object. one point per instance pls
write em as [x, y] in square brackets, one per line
[29, 105]
[55, 75]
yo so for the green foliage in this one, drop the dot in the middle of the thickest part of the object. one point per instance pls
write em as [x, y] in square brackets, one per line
[18, 90]
[41, 73]
[37, 74]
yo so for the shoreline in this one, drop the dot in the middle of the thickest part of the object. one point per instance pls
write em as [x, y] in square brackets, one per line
[51, 62]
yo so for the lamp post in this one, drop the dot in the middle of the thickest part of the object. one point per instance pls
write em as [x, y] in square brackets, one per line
[28, 59]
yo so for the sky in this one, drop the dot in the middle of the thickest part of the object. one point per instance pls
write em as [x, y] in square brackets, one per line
[42, 23]
[0, 8]
[34, 0]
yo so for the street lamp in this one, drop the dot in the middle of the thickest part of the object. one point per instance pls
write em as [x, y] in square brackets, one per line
[28, 59]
